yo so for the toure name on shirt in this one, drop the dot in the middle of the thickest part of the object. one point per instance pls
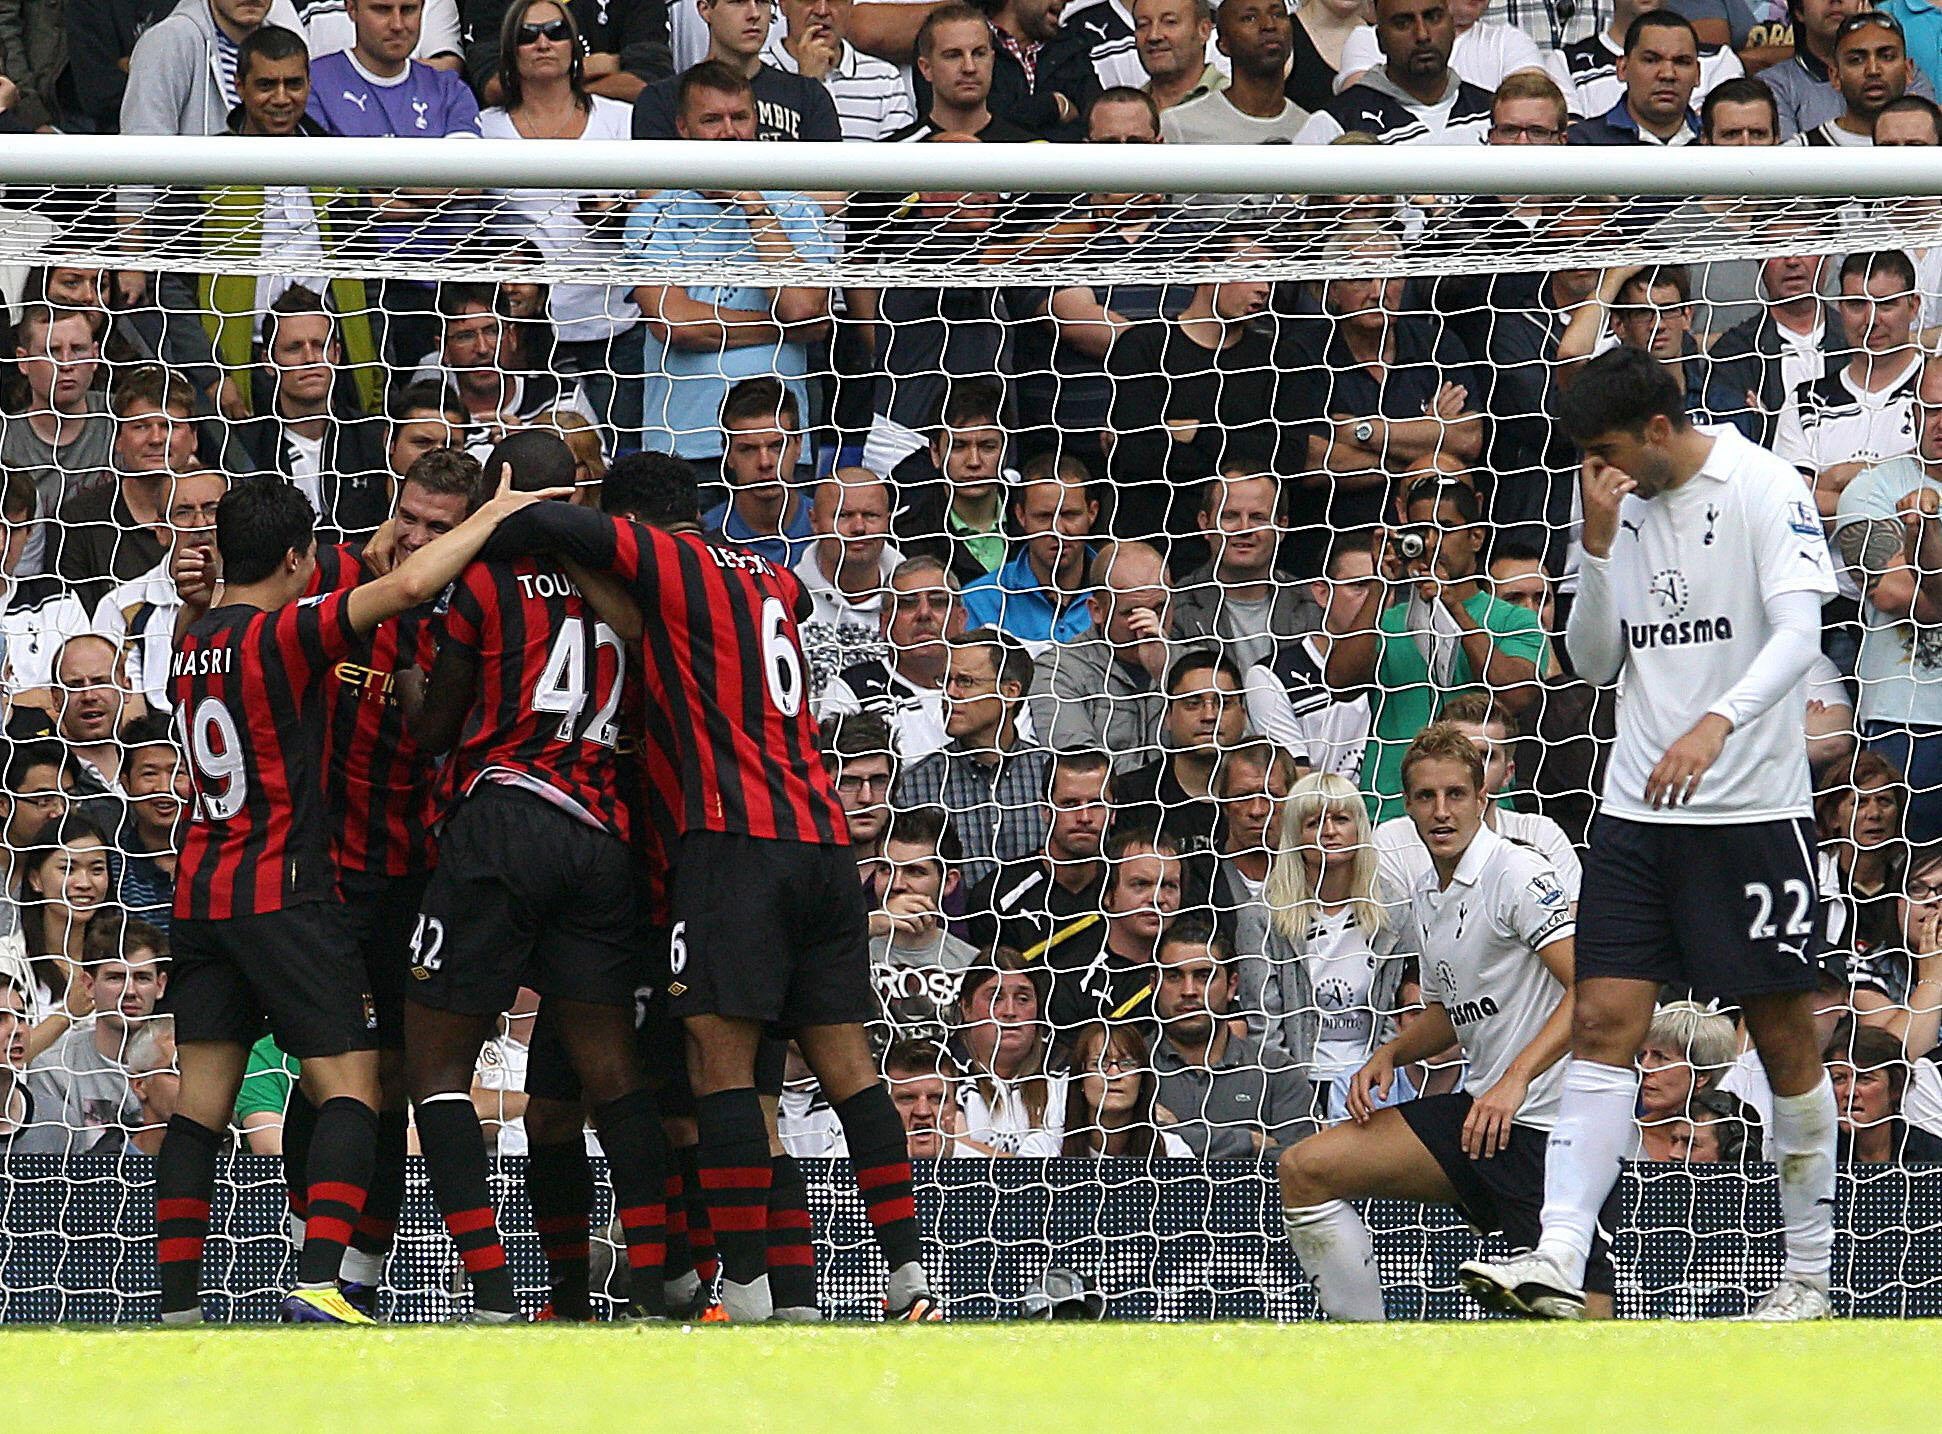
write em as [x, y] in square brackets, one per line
[546, 585]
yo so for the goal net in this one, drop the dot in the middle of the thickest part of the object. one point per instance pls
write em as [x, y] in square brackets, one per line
[1105, 469]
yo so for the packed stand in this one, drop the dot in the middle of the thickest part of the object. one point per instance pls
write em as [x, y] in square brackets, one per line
[1127, 603]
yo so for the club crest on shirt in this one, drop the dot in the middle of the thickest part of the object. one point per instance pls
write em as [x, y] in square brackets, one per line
[1668, 588]
[1803, 519]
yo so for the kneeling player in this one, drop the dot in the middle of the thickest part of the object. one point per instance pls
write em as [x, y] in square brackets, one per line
[1496, 932]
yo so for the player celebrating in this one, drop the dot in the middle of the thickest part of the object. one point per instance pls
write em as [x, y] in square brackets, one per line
[1499, 984]
[1704, 573]
[535, 886]
[256, 933]
[378, 782]
[770, 924]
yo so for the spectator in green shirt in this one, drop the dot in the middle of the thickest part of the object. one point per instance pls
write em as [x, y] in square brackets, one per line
[267, 1078]
[1439, 633]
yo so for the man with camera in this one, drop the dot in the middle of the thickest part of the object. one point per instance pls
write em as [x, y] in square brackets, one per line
[1431, 632]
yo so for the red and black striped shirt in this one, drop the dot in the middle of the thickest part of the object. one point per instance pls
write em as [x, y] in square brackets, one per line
[730, 745]
[547, 712]
[247, 689]
[379, 781]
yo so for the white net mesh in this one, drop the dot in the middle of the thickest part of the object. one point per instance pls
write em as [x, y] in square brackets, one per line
[1234, 391]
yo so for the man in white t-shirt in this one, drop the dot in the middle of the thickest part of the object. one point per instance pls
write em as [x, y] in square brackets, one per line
[1495, 929]
[1703, 576]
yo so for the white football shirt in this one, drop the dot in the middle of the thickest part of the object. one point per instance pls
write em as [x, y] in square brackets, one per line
[1690, 574]
[1480, 939]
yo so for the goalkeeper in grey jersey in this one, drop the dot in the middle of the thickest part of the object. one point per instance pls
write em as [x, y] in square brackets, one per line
[1494, 925]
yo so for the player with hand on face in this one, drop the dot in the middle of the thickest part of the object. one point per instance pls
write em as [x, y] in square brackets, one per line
[1496, 932]
[257, 933]
[1704, 572]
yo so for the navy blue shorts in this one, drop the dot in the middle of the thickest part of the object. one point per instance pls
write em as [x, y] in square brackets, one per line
[1505, 1193]
[1730, 911]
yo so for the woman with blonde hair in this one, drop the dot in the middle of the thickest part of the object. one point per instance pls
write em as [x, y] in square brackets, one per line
[1323, 991]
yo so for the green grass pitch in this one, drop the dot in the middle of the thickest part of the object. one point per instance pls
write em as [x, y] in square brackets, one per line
[993, 1379]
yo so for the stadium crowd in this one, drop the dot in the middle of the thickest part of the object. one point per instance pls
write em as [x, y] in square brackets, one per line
[1128, 599]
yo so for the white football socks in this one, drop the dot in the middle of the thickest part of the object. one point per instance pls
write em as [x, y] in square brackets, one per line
[1339, 1257]
[1581, 1163]
[1804, 1128]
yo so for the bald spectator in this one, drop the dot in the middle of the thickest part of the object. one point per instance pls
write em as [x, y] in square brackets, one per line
[989, 779]
[1103, 691]
[846, 573]
[904, 685]
[1240, 599]
[92, 699]
[1039, 595]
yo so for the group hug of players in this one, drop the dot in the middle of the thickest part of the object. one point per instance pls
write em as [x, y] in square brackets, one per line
[516, 742]
[609, 687]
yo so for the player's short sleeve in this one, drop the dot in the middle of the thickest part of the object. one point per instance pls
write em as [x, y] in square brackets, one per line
[313, 633]
[1788, 542]
[1532, 904]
